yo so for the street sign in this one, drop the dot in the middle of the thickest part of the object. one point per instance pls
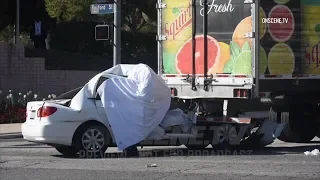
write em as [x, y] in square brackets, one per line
[102, 32]
[101, 9]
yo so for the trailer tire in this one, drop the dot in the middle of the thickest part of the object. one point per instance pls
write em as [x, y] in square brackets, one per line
[298, 129]
[196, 147]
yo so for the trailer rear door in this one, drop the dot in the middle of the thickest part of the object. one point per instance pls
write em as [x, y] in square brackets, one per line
[182, 39]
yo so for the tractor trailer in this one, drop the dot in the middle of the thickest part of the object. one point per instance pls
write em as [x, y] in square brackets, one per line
[244, 58]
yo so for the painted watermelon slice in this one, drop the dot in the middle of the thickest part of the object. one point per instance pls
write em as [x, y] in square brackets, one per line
[281, 32]
[184, 55]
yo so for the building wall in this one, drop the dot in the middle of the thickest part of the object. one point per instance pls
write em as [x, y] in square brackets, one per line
[21, 74]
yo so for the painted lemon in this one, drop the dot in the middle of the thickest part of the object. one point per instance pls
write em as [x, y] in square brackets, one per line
[263, 26]
[263, 60]
[177, 32]
[281, 60]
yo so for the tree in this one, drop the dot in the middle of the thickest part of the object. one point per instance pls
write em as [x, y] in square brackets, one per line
[67, 10]
[136, 14]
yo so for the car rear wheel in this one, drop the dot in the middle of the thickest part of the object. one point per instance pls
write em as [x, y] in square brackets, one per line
[92, 141]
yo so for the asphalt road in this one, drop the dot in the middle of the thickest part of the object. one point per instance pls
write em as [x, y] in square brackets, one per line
[23, 160]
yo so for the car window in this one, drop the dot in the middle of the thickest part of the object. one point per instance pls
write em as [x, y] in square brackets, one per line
[101, 80]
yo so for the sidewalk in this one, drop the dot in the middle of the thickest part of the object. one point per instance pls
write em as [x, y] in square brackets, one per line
[8, 131]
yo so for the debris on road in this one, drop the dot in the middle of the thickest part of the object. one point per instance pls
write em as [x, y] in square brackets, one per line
[315, 152]
[152, 165]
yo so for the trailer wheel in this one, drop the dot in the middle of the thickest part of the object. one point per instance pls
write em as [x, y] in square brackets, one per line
[298, 127]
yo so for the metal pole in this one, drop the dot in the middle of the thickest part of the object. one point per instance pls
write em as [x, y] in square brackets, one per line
[205, 44]
[117, 33]
[255, 46]
[194, 22]
[17, 29]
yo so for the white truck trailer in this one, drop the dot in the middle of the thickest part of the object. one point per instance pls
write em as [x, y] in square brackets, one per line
[244, 61]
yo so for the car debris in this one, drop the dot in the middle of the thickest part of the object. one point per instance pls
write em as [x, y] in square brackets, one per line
[152, 165]
[314, 152]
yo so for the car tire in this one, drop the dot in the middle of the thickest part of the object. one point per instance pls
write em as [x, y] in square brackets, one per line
[67, 151]
[89, 135]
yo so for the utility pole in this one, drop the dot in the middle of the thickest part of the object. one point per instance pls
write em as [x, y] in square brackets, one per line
[117, 33]
[17, 28]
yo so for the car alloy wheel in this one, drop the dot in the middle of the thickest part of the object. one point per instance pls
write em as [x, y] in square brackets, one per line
[93, 140]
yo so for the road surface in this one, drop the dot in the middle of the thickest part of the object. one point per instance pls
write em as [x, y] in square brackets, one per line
[23, 160]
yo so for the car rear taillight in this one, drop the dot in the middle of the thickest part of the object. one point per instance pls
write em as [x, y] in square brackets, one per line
[46, 111]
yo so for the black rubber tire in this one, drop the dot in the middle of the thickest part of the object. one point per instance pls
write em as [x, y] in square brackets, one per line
[83, 153]
[196, 147]
[67, 151]
[299, 129]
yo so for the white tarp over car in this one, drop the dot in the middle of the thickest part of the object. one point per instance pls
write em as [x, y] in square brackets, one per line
[136, 105]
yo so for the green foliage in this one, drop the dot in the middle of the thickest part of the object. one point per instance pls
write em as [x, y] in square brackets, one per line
[66, 10]
[7, 35]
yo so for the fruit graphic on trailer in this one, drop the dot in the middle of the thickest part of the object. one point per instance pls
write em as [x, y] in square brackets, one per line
[169, 63]
[184, 55]
[317, 29]
[281, 32]
[281, 1]
[263, 26]
[263, 60]
[243, 63]
[240, 60]
[242, 28]
[224, 57]
[281, 59]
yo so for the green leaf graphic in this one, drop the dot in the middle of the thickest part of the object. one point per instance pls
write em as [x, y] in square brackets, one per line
[235, 49]
[176, 11]
[240, 60]
[243, 63]
[228, 67]
[246, 46]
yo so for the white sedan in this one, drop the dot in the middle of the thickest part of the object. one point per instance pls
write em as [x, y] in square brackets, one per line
[76, 122]
[67, 127]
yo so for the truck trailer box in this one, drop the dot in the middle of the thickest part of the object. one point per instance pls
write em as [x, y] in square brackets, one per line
[264, 46]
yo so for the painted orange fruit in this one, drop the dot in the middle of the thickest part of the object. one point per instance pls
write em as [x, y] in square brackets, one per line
[184, 56]
[242, 28]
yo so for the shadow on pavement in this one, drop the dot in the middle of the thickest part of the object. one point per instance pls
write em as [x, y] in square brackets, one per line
[183, 152]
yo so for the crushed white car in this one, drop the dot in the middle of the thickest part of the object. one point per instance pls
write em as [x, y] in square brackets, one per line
[132, 102]
[128, 105]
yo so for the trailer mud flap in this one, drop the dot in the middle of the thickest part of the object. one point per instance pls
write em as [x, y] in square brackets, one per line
[265, 135]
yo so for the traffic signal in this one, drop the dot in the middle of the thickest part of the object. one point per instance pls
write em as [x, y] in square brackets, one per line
[102, 32]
